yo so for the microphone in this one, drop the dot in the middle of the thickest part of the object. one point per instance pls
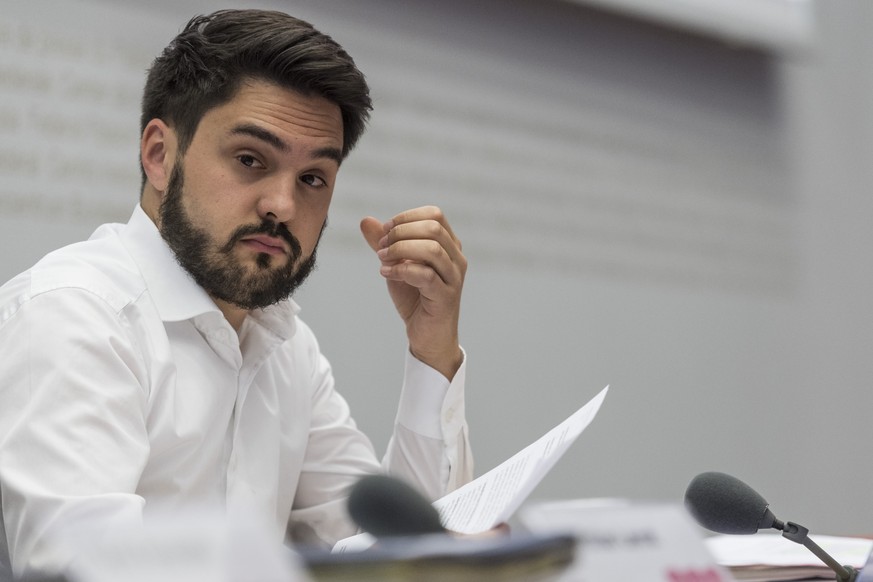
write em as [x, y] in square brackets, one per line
[724, 504]
[387, 507]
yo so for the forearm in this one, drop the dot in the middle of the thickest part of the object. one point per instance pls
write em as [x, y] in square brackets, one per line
[430, 446]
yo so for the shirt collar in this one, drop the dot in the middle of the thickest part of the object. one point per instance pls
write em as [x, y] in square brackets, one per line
[174, 292]
[280, 319]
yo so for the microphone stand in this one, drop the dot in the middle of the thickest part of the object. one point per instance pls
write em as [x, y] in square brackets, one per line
[800, 535]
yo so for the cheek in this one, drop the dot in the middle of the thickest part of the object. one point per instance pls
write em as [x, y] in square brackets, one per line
[208, 179]
[219, 194]
[311, 227]
[212, 210]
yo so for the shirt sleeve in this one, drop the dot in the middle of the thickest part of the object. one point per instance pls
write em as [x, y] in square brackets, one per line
[430, 445]
[73, 438]
[337, 455]
[429, 449]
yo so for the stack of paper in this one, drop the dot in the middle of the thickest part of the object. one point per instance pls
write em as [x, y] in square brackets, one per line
[764, 557]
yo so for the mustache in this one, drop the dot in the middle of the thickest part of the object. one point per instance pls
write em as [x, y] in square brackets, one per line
[270, 228]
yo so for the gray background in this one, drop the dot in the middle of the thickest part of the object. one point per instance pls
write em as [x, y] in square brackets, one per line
[673, 204]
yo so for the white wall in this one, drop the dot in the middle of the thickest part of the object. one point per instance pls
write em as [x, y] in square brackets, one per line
[682, 219]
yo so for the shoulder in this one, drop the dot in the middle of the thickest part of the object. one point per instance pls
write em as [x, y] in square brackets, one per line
[98, 270]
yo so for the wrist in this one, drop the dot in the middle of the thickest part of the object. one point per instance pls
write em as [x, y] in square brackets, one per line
[447, 362]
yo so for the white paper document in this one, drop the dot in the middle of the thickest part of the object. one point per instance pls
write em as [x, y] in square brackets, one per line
[492, 498]
[769, 556]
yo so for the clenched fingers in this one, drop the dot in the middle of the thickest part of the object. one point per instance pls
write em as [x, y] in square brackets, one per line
[419, 246]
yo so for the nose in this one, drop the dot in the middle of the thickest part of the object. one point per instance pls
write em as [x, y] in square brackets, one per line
[278, 200]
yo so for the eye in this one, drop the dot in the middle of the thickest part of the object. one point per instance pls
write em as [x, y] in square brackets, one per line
[249, 161]
[313, 181]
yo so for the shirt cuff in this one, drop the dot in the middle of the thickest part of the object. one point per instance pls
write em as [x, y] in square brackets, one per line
[428, 401]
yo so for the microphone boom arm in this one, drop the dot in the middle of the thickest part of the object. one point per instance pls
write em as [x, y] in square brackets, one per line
[726, 505]
[800, 535]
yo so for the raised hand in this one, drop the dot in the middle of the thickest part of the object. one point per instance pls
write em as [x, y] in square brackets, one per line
[422, 261]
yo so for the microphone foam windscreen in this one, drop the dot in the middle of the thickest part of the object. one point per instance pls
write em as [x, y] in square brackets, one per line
[385, 506]
[724, 504]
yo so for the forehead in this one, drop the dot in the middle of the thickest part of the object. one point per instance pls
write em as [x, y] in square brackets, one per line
[287, 113]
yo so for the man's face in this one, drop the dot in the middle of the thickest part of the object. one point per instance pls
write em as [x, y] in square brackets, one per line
[247, 203]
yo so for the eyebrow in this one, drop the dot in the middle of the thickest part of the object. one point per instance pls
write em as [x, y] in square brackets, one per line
[261, 134]
[275, 141]
[330, 153]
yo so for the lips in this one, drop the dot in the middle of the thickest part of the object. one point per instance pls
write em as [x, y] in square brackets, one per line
[266, 244]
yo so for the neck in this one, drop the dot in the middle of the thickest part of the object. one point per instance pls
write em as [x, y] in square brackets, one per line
[151, 203]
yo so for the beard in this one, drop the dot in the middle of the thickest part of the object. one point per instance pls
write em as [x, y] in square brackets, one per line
[214, 267]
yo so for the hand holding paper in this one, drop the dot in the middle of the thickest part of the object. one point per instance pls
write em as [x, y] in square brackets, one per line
[491, 499]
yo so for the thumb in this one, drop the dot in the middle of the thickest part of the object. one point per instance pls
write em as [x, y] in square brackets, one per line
[373, 231]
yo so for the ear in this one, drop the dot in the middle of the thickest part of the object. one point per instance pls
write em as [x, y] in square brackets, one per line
[157, 151]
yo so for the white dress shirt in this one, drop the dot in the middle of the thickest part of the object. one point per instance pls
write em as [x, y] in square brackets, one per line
[122, 386]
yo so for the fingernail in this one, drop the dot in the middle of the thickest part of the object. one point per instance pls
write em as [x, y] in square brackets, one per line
[383, 242]
[383, 253]
[384, 270]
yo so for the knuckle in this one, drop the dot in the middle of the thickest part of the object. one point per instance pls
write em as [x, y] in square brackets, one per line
[433, 228]
[430, 276]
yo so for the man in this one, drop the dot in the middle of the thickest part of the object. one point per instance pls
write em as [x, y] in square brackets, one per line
[162, 362]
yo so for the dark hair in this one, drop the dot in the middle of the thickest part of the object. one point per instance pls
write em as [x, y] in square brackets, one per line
[204, 66]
